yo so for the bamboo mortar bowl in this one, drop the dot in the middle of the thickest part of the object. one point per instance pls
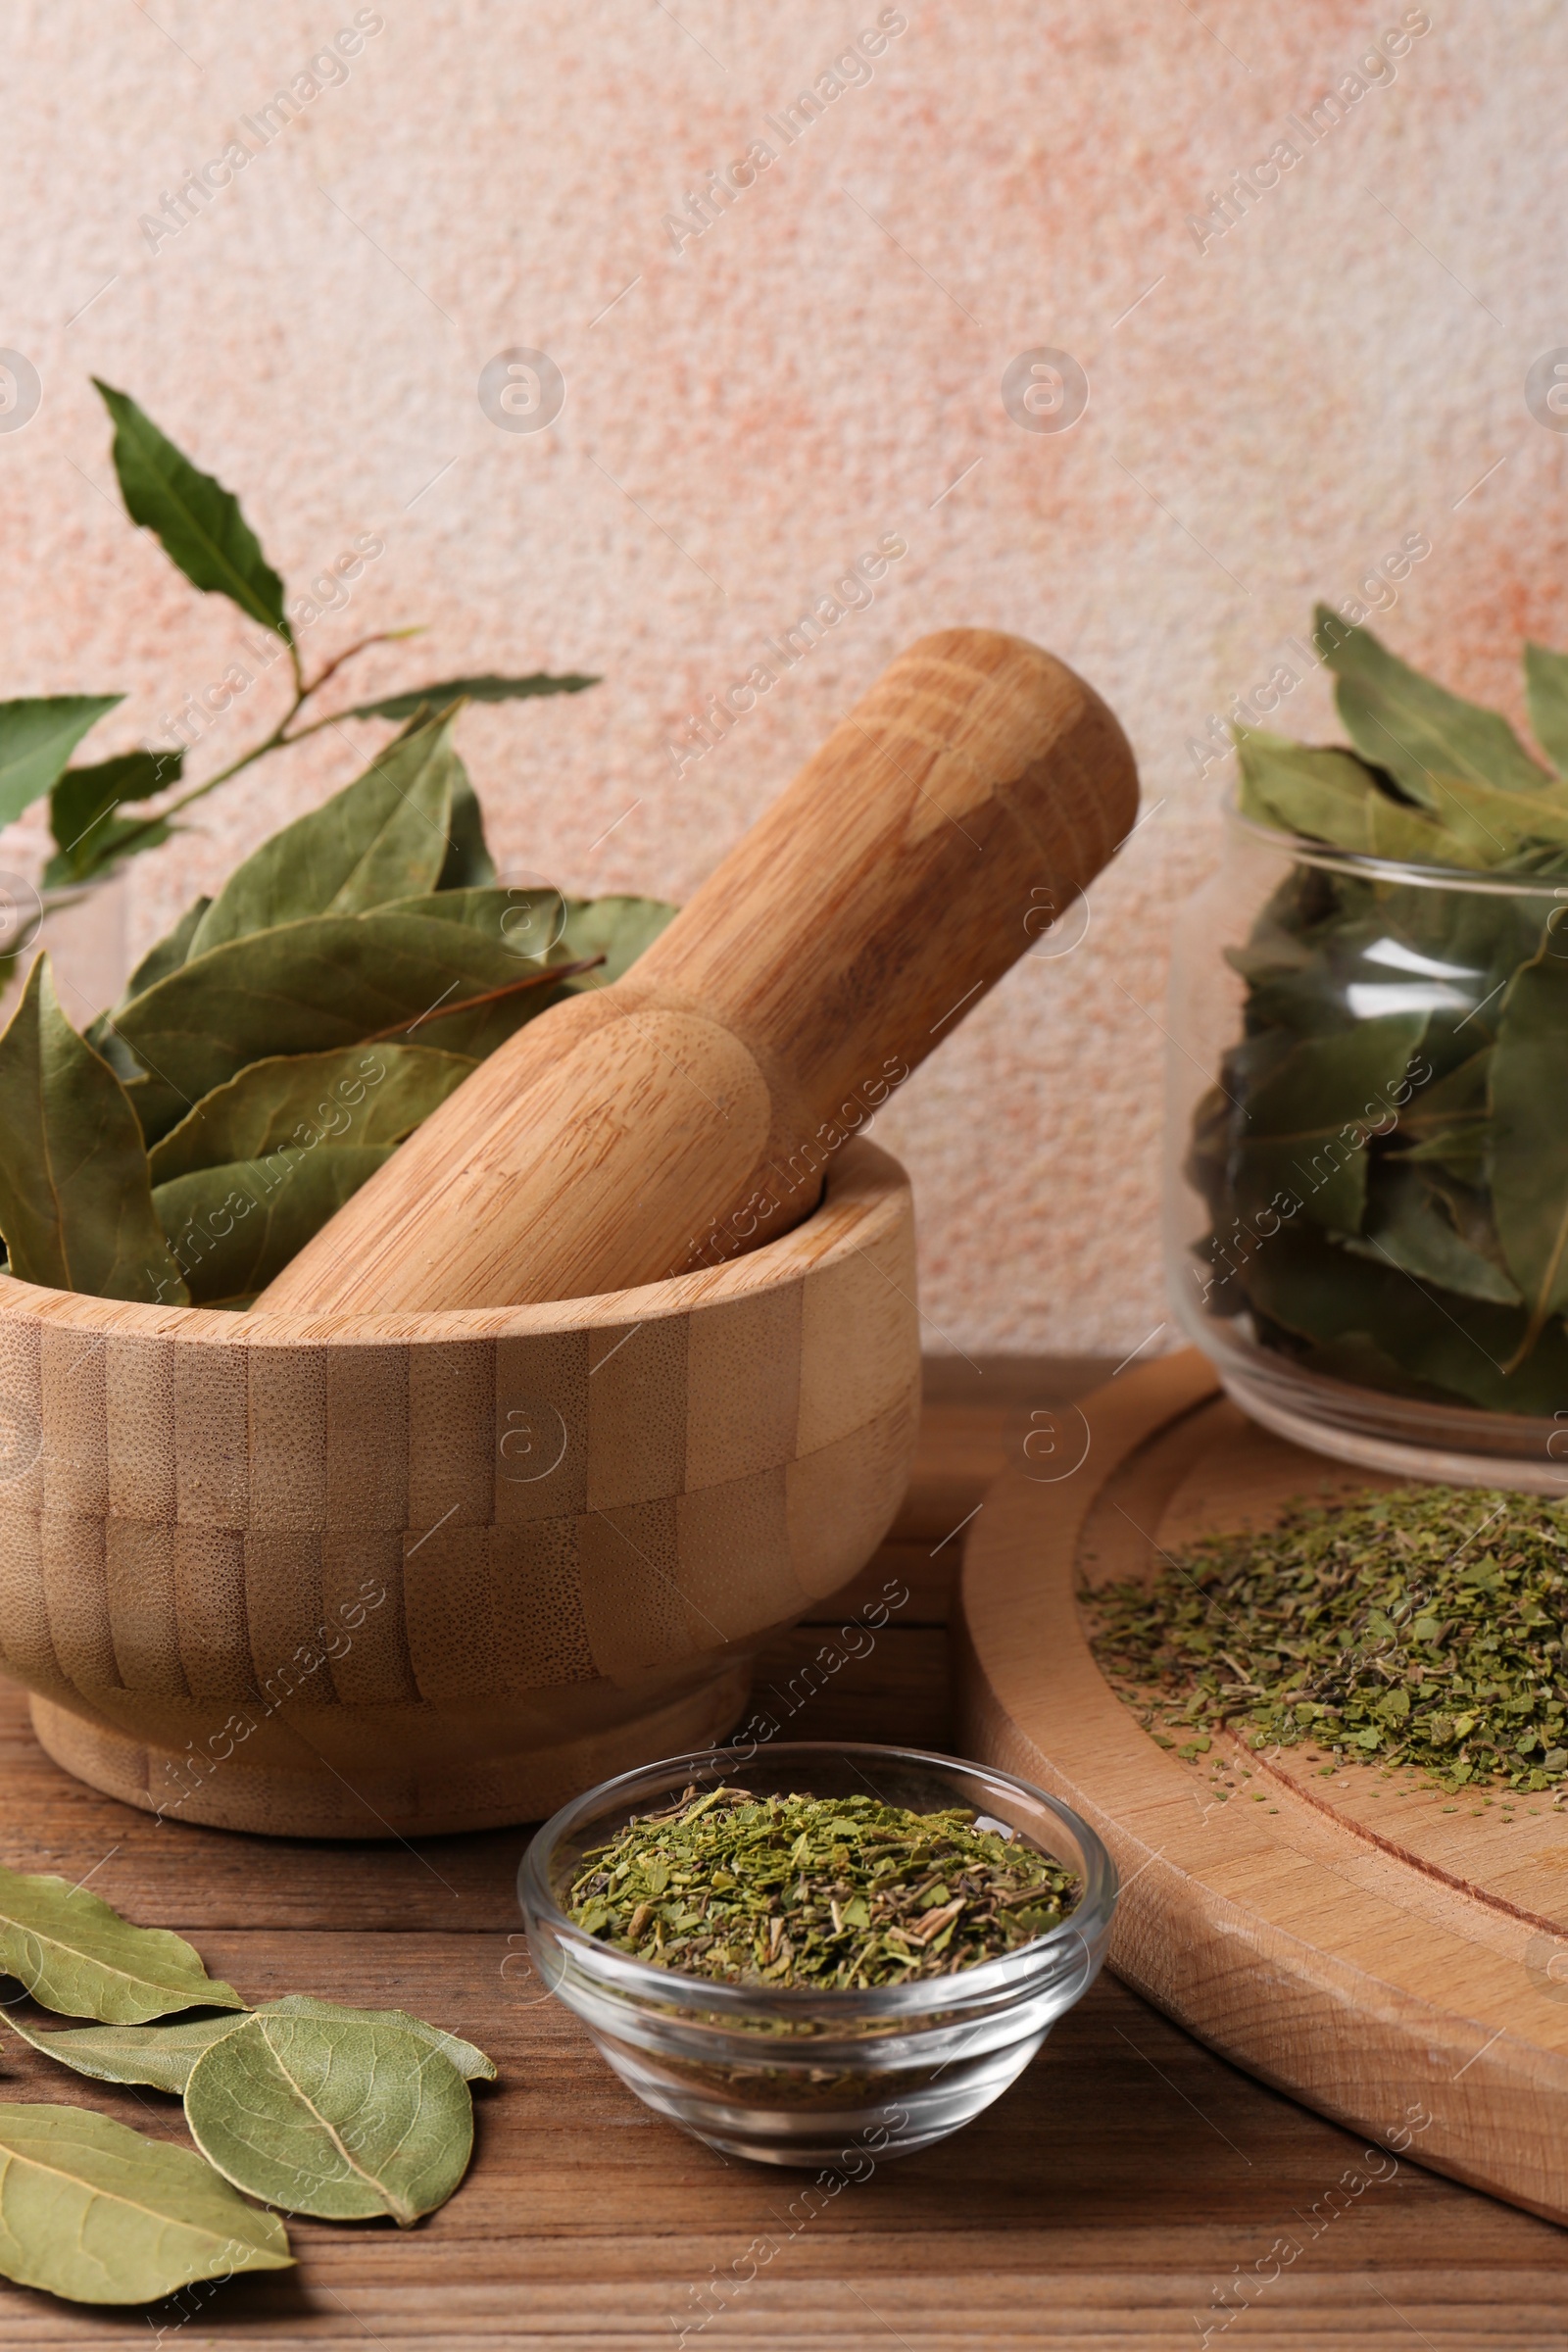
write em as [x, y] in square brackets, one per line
[372, 1576]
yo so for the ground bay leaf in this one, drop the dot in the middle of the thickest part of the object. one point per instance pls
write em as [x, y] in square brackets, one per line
[95, 2212]
[76, 1203]
[339, 2116]
[78, 1956]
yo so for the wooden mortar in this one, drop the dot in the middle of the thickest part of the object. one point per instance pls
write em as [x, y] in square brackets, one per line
[581, 1518]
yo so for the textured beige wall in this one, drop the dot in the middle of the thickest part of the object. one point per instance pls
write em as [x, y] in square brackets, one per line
[821, 366]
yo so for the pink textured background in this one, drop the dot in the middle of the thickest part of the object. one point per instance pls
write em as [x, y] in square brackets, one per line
[821, 367]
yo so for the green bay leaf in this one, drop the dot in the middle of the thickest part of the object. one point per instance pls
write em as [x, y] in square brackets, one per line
[233, 1227]
[82, 806]
[1416, 729]
[78, 1956]
[75, 1200]
[340, 2116]
[485, 689]
[160, 2056]
[37, 735]
[381, 838]
[367, 1095]
[95, 2212]
[197, 520]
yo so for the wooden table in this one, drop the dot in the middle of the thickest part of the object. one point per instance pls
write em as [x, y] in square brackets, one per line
[1105, 2200]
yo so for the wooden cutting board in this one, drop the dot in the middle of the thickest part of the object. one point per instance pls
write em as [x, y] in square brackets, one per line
[1393, 1955]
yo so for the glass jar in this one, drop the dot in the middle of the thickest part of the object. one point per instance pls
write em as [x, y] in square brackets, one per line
[790, 2074]
[1366, 1219]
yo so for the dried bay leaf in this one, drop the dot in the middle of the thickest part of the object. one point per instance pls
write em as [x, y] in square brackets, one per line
[166, 955]
[1547, 699]
[95, 2212]
[1331, 796]
[1304, 1121]
[381, 838]
[159, 2055]
[1529, 1144]
[233, 1227]
[1413, 727]
[1414, 1225]
[367, 1095]
[471, 2064]
[197, 520]
[77, 1955]
[75, 1201]
[327, 982]
[163, 2055]
[340, 2116]
[468, 864]
[617, 928]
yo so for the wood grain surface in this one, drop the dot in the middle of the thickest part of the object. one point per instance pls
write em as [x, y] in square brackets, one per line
[328, 1576]
[686, 1113]
[1123, 2180]
[1389, 1951]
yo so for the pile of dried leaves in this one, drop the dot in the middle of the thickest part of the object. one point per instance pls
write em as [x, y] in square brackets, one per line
[1421, 1627]
[1385, 1157]
[838, 1894]
[309, 2106]
[287, 1034]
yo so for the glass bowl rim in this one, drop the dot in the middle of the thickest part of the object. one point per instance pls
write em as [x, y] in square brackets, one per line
[1302, 850]
[1012, 1972]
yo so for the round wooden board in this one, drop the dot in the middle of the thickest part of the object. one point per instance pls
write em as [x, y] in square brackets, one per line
[1394, 1956]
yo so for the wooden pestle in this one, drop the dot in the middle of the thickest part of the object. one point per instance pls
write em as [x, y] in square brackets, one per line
[688, 1111]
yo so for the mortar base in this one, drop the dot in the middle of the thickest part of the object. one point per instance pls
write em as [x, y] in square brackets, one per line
[379, 1804]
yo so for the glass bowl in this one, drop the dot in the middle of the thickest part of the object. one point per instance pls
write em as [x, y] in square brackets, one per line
[1357, 1181]
[792, 2076]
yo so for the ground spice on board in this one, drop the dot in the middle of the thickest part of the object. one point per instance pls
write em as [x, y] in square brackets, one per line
[1419, 1627]
[835, 1893]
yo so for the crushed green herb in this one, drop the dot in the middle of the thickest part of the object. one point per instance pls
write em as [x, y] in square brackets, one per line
[835, 1893]
[1418, 1626]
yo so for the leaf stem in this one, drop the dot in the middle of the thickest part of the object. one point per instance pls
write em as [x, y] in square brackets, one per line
[278, 740]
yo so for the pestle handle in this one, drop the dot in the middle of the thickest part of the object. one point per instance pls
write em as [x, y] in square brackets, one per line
[688, 1111]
